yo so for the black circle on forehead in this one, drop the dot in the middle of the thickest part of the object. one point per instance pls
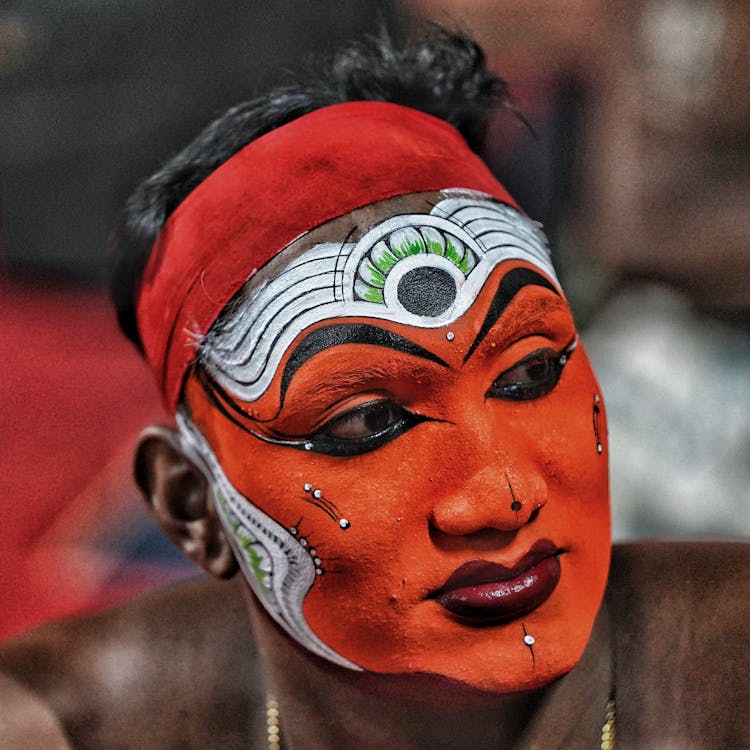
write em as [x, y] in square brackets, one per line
[427, 291]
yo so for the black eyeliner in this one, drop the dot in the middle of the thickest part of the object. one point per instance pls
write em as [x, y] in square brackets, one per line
[530, 392]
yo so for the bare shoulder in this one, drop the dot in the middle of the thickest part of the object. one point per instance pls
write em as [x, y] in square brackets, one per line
[173, 665]
[26, 720]
[680, 612]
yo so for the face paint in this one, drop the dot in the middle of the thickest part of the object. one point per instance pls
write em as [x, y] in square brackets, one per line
[449, 253]
[347, 156]
[398, 431]
[597, 412]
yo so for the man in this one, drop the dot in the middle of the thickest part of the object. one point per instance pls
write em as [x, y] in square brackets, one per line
[387, 422]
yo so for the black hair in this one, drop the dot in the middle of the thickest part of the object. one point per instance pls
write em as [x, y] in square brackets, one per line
[442, 73]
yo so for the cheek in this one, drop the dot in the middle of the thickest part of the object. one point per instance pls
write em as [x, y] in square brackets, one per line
[356, 513]
[377, 572]
[571, 436]
[572, 453]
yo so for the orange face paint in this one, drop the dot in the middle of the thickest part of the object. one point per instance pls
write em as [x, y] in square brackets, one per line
[435, 479]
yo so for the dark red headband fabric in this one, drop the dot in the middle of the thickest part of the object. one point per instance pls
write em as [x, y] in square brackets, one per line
[293, 179]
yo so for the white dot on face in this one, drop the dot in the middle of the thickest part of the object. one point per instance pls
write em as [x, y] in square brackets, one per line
[307, 487]
[450, 335]
[318, 494]
[529, 640]
[344, 523]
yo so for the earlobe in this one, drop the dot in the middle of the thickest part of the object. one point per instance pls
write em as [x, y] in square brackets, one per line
[180, 499]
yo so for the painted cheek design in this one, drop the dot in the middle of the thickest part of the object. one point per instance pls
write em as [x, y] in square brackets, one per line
[329, 508]
[597, 413]
[423, 270]
[280, 566]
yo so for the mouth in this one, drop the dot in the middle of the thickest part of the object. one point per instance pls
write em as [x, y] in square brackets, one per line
[486, 593]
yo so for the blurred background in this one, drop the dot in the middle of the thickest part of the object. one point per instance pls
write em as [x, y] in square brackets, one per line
[637, 162]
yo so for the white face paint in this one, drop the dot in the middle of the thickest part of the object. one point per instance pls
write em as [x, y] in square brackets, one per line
[278, 567]
[453, 250]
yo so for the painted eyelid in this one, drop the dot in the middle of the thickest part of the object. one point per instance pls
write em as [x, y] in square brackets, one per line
[515, 352]
[315, 425]
[541, 353]
[316, 442]
[560, 356]
[357, 408]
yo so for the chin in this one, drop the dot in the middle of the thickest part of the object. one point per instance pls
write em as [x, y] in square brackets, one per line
[481, 662]
[501, 672]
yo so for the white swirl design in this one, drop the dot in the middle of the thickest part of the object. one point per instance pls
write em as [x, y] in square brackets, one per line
[457, 244]
[276, 566]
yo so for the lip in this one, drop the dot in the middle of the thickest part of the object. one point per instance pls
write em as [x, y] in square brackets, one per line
[484, 592]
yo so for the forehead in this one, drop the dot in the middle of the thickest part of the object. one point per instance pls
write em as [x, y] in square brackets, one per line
[419, 260]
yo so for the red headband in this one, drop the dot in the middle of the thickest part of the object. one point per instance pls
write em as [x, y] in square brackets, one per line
[293, 179]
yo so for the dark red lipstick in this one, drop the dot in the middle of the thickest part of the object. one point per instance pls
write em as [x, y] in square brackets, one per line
[489, 593]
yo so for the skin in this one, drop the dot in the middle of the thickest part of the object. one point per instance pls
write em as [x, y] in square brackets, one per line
[442, 493]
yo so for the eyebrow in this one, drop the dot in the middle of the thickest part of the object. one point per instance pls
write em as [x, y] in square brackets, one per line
[509, 286]
[349, 333]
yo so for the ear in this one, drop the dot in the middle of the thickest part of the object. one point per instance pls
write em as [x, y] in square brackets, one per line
[181, 502]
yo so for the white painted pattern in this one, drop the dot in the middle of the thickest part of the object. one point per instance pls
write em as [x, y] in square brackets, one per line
[287, 568]
[244, 348]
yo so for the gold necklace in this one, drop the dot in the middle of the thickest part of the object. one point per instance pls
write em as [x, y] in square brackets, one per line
[272, 723]
[608, 730]
[273, 728]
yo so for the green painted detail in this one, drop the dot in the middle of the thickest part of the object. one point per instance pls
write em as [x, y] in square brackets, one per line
[451, 253]
[434, 247]
[468, 263]
[367, 292]
[373, 295]
[384, 262]
[246, 542]
[370, 274]
[403, 243]
[409, 247]
[254, 558]
[376, 277]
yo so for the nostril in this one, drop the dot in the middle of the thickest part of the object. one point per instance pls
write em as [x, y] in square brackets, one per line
[534, 513]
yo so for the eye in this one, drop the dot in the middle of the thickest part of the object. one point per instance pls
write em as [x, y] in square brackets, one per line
[533, 377]
[365, 421]
[363, 428]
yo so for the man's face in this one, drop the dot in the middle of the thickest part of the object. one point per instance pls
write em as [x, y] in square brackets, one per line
[446, 482]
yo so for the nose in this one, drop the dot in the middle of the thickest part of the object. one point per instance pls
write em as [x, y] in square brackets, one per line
[492, 498]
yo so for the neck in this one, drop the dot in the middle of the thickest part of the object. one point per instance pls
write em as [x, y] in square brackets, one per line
[326, 707]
